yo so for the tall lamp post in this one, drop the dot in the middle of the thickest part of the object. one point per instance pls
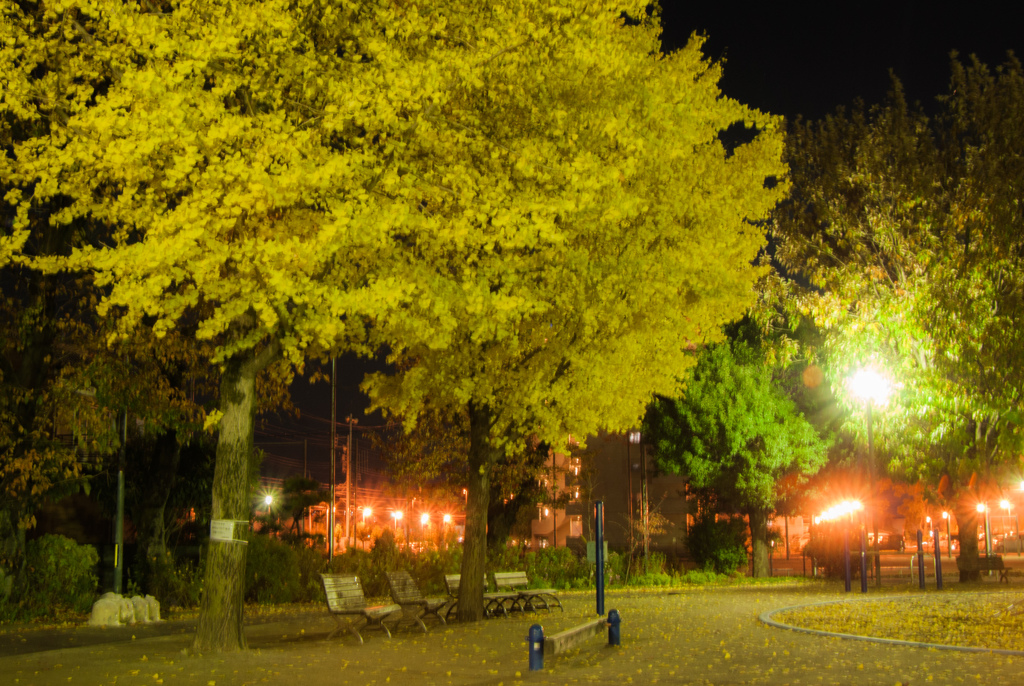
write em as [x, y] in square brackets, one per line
[872, 388]
[634, 438]
[1005, 504]
[983, 508]
[949, 537]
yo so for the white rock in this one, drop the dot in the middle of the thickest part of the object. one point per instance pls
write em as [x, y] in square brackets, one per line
[127, 611]
[154, 608]
[140, 609]
[106, 612]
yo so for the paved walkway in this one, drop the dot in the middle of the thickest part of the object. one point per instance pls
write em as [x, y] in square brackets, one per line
[693, 636]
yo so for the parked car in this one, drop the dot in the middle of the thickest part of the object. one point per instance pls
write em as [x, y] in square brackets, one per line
[889, 541]
[1010, 544]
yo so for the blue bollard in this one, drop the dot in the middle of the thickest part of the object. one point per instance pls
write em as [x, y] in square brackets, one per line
[614, 631]
[920, 558]
[938, 560]
[846, 556]
[863, 560]
[535, 641]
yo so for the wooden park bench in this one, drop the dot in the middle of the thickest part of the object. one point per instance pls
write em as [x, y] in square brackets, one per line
[528, 597]
[345, 598]
[493, 602]
[415, 606]
[983, 563]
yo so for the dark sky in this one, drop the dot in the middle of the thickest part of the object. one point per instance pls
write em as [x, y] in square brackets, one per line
[789, 59]
[805, 59]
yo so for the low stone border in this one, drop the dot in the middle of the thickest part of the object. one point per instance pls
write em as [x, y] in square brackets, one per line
[766, 618]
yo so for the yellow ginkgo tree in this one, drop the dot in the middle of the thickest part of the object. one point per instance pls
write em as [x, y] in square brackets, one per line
[247, 160]
[589, 219]
[523, 199]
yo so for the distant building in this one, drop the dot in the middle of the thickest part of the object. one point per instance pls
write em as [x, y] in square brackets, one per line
[610, 470]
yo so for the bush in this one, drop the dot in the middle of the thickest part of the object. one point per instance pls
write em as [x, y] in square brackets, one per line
[61, 574]
[272, 573]
[311, 563]
[176, 584]
[718, 546]
[557, 567]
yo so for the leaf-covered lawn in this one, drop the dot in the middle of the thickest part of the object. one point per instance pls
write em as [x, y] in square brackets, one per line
[977, 620]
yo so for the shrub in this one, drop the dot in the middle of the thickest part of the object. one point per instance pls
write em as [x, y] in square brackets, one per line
[311, 562]
[176, 584]
[61, 573]
[718, 546]
[272, 573]
[826, 548]
[557, 567]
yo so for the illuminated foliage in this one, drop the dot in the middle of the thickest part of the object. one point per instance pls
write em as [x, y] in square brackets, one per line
[736, 431]
[910, 229]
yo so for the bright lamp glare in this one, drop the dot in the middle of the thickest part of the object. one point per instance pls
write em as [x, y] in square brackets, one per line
[367, 512]
[269, 499]
[447, 519]
[844, 508]
[981, 507]
[424, 518]
[397, 514]
[867, 384]
[1005, 504]
[945, 515]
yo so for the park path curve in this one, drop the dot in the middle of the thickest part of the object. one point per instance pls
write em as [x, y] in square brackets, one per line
[693, 636]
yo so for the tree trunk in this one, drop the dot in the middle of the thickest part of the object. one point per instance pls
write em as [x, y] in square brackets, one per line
[967, 522]
[474, 547]
[759, 541]
[220, 613]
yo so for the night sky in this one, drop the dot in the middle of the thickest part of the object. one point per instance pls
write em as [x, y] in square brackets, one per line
[785, 58]
[806, 59]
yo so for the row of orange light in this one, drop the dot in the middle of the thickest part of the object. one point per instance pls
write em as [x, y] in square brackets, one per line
[398, 514]
[841, 510]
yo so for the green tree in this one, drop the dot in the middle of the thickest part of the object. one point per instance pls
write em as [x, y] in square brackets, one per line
[736, 431]
[909, 228]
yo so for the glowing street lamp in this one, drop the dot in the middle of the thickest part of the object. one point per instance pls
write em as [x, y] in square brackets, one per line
[872, 388]
[366, 513]
[447, 519]
[397, 516]
[424, 519]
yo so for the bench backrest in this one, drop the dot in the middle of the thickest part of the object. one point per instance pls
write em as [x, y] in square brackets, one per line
[343, 593]
[451, 581]
[511, 579]
[404, 588]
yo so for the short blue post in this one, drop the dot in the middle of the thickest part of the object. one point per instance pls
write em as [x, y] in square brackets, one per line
[599, 553]
[920, 558]
[535, 641]
[863, 560]
[938, 560]
[846, 555]
[614, 632]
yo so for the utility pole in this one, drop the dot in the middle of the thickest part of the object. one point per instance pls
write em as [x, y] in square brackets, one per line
[119, 524]
[554, 512]
[644, 505]
[334, 443]
[348, 481]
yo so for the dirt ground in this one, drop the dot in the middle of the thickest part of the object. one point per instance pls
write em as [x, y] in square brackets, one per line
[710, 636]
